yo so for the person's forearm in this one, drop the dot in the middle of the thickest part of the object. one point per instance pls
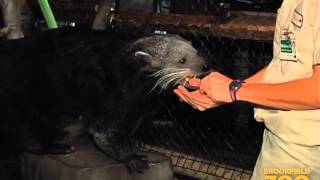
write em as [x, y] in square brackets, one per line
[301, 94]
[257, 78]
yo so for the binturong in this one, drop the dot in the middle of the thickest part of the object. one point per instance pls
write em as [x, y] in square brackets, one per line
[172, 58]
[115, 83]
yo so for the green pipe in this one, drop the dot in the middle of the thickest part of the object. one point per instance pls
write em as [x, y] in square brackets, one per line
[47, 13]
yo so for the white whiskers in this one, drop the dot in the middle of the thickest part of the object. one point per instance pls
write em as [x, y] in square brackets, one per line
[169, 77]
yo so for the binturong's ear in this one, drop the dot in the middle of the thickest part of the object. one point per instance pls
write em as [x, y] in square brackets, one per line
[143, 55]
[146, 60]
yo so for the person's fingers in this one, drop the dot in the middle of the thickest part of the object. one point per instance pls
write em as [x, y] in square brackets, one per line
[192, 102]
[197, 100]
[207, 83]
[194, 82]
[184, 91]
[204, 87]
[183, 97]
[196, 104]
[180, 95]
[182, 88]
[195, 95]
[208, 103]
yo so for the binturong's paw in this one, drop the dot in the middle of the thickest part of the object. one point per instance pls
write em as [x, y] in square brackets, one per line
[137, 163]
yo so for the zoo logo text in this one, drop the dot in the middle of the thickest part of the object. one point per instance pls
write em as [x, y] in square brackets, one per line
[286, 174]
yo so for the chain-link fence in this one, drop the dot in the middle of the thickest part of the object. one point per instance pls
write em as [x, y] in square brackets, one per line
[221, 143]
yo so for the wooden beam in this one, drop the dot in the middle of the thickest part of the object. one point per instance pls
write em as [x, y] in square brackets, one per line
[242, 25]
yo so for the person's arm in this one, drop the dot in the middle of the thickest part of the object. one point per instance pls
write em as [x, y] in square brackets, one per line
[258, 77]
[303, 94]
[294, 95]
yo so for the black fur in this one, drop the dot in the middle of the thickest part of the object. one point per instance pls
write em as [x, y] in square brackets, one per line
[50, 80]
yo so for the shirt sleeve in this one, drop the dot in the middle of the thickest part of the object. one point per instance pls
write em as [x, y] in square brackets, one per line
[317, 34]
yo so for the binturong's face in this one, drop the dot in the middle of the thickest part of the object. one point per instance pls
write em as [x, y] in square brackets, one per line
[171, 59]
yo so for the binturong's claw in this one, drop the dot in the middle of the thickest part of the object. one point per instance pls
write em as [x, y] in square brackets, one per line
[192, 83]
[137, 164]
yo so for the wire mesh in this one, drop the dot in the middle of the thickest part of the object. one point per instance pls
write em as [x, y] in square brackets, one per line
[220, 143]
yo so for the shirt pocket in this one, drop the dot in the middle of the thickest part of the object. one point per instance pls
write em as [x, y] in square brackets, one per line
[297, 19]
[303, 31]
[302, 66]
[304, 44]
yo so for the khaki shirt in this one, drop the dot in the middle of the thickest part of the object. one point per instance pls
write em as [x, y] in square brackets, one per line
[301, 20]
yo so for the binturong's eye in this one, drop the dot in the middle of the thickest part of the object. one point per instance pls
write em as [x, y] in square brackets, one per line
[182, 61]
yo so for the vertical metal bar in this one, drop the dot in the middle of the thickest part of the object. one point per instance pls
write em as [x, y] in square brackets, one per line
[12, 18]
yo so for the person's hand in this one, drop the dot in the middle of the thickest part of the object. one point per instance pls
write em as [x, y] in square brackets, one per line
[216, 86]
[196, 99]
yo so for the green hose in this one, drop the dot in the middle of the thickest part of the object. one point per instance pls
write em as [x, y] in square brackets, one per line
[47, 13]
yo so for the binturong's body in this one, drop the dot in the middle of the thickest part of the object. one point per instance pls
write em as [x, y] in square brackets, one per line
[55, 78]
